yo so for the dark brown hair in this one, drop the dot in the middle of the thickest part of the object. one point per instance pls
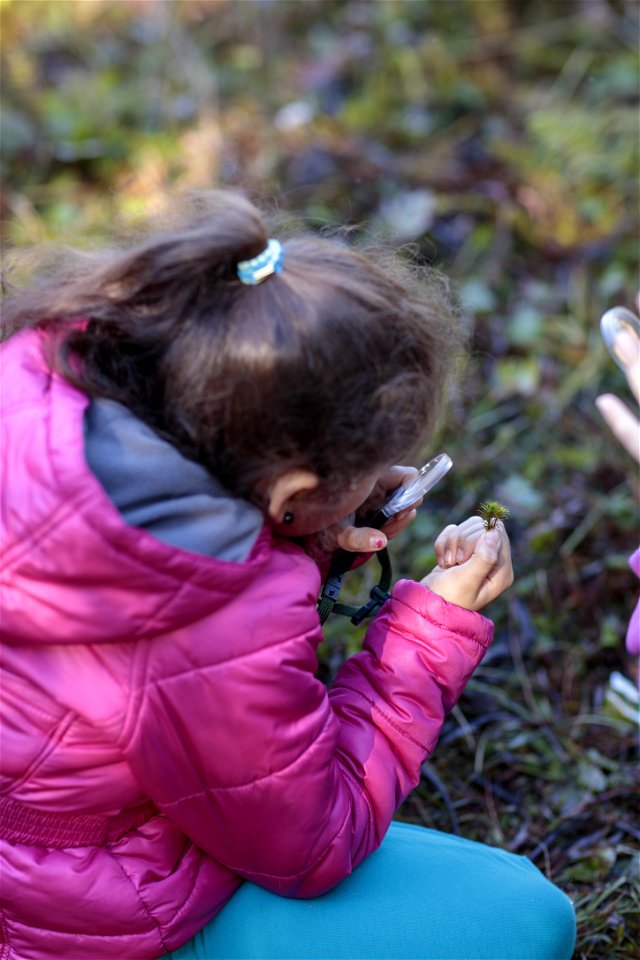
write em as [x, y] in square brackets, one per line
[337, 364]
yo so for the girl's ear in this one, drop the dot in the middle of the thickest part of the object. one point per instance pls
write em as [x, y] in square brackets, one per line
[281, 492]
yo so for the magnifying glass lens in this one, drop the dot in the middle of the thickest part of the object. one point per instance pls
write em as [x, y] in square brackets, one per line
[615, 322]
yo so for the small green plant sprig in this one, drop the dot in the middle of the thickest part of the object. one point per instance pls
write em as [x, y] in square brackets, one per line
[491, 511]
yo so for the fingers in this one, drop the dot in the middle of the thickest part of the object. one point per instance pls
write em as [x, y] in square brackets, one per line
[493, 553]
[492, 567]
[628, 350]
[359, 539]
[401, 521]
[395, 476]
[386, 483]
[487, 549]
[482, 578]
[455, 543]
[622, 422]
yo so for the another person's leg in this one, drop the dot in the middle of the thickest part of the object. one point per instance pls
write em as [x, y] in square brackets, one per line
[422, 895]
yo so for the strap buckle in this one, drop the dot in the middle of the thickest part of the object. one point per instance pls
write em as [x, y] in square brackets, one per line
[379, 594]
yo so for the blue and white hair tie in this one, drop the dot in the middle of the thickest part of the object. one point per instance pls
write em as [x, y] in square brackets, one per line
[259, 268]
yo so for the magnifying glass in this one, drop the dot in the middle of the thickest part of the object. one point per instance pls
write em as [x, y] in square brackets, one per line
[403, 496]
[614, 322]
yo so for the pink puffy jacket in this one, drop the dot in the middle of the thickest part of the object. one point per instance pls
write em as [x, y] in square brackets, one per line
[163, 734]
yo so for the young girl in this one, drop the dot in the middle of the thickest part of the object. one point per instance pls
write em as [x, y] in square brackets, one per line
[186, 426]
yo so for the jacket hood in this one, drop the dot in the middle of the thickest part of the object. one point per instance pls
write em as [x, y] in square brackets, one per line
[72, 570]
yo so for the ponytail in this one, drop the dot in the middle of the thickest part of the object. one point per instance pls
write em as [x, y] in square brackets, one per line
[336, 364]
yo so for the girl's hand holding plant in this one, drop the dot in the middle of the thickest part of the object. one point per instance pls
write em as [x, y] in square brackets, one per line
[474, 560]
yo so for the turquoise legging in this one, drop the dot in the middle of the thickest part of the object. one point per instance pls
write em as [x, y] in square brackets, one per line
[423, 895]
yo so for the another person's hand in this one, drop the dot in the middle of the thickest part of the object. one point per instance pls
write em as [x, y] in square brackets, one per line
[474, 564]
[624, 425]
[359, 539]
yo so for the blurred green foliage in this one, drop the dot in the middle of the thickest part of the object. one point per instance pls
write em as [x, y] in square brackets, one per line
[497, 139]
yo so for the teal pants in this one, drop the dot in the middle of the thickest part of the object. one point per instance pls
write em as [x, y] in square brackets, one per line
[423, 895]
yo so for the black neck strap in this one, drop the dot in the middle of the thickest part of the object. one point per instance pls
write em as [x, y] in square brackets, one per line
[328, 602]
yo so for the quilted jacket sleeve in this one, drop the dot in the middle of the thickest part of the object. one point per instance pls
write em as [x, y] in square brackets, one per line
[279, 781]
